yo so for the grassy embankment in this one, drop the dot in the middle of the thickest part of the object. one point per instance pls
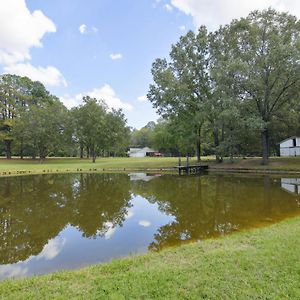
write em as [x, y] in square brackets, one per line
[259, 264]
[275, 163]
[54, 165]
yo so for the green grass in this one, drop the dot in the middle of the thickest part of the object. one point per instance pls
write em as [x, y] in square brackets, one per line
[259, 264]
[75, 164]
[14, 166]
[275, 163]
[57, 165]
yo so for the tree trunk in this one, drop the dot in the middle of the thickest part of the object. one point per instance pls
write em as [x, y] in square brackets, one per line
[42, 153]
[81, 152]
[198, 145]
[42, 157]
[21, 149]
[87, 152]
[8, 148]
[217, 143]
[93, 154]
[265, 146]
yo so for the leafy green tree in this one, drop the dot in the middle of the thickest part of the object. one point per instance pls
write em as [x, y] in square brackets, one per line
[183, 88]
[264, 52]
[14, 95]
[43, 126]
[91, 125]
[142, 137]
[17, 95]
[117, 131]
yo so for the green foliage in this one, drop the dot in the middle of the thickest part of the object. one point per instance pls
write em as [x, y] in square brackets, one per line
[98, 129]
[233, 86]
[34, 122]
[43, 127]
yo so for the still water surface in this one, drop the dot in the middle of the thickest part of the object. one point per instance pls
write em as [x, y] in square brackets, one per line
[53, 222]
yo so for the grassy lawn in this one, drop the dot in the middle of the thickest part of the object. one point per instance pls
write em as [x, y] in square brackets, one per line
[75, 164]
[275, 163]
[260, 264]
[26, 166]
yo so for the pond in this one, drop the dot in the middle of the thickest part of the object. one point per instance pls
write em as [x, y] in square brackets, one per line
[67, 221]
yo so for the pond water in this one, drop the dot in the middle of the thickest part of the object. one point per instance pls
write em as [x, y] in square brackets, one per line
[53, 222]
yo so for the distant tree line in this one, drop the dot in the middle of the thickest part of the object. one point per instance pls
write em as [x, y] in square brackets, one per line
[231, 92]
[35, 123]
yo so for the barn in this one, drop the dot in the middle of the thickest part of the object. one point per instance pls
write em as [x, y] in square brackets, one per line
[290, 146]
[140, 152]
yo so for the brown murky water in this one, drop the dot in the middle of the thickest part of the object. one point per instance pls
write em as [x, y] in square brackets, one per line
[52, 222]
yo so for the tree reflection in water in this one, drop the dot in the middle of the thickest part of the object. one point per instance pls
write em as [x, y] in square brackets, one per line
[214, 205]
[35, 209]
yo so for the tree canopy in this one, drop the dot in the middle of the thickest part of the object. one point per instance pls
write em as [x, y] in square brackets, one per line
[240, 81]
[34, 122]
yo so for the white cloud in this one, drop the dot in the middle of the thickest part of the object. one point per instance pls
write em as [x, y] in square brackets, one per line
[144, 223]
[9, 271]
[82, 29]
[50, 76]
[70, 101]
[142, 98]
[129, 215]
[110, 230]
[182, 28]
[20, 30]
[168, 7]
[213, 13]
[105, 93]
[115, 56]
[52, 249]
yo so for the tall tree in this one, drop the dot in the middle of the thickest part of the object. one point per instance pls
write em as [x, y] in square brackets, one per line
[43, 126]
[91, 125]
[17, 94]
[14, 94]
[183, 88]
[264, 52]
[117, 131]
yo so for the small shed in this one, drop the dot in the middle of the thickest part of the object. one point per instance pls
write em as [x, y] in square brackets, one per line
[140, 152]
[291, 185]
[290, 146]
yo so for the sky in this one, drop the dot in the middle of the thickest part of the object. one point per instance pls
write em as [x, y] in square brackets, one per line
[105, 48]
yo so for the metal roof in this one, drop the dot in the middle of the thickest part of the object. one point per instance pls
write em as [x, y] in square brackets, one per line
[290, 138]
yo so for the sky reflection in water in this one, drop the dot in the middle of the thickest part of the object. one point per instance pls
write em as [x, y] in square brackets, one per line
[52, 222]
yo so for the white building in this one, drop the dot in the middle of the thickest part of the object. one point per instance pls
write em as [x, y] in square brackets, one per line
[140, 152]
[291, 185]
[290, 147]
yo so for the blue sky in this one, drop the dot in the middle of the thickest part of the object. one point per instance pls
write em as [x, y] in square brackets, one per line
[105, 48]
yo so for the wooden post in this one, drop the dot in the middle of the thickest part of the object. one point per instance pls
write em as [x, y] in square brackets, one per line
[187, 165]
[179, 165]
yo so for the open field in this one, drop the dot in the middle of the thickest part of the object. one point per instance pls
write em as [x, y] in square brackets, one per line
[52, 165]
[259, 264]
[76, 164]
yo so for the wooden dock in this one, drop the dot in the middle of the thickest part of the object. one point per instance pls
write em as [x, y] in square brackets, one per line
[190, 169]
